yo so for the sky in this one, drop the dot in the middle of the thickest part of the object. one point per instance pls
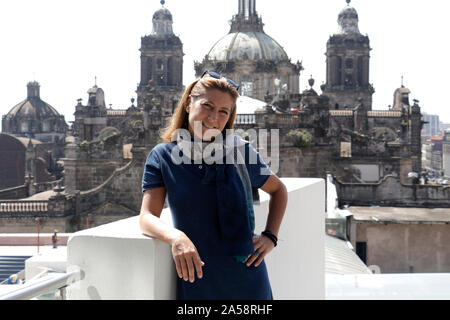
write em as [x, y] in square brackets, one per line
[66, 44]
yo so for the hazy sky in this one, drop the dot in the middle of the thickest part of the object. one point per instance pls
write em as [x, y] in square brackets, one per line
[65, 44]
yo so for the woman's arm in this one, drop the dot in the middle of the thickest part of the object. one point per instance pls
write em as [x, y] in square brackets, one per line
[185, 255]
[277, 206]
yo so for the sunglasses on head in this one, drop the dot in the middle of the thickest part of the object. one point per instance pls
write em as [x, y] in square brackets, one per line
[219, 76]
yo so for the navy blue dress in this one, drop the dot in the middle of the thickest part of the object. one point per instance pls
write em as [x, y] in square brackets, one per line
[192, 204]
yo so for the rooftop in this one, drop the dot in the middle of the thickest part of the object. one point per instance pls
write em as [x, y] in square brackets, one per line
[396, 214]
[326, 268]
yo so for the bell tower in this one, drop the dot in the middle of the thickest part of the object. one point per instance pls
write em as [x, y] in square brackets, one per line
[161, 65]
[348, 57]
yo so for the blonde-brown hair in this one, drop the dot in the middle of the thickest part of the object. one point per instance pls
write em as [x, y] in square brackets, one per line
[179, 118]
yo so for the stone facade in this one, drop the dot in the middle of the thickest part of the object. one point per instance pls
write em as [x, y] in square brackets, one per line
[389, 191]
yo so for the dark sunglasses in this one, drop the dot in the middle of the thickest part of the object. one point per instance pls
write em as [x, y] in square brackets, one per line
[219, 76]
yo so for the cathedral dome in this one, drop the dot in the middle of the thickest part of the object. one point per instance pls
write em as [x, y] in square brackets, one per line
[34, 118]
[33, 107]
[251, 45]
[247, 39]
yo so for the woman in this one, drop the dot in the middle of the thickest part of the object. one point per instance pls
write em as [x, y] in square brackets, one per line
[216, 254]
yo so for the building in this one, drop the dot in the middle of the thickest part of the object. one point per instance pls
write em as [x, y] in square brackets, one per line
[446, 153]
[426, 155]
[399, 240]
[431, 126]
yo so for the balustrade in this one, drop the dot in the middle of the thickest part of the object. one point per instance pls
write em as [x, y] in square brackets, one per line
[245, 119]
[13, 206]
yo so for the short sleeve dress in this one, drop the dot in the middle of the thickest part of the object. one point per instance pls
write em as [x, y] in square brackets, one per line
[192, 203]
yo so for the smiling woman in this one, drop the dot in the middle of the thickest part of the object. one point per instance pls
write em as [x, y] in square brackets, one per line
[211, 109]
[215, 250]
[207, 100]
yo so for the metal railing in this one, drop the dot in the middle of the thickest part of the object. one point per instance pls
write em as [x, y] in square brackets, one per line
[44, 283]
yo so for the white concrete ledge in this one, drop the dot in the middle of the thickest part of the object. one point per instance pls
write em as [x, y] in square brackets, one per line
[120, 263]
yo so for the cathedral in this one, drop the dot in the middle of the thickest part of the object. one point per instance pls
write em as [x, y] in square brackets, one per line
[370, 153]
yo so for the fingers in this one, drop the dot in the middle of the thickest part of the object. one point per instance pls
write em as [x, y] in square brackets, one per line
[191, 273]
[178, 267]
[184, 268]
[262, 247]
[198, 266]
[188, 265]
[258, 256]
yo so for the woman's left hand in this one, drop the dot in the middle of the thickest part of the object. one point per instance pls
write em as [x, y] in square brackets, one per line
[263, 245]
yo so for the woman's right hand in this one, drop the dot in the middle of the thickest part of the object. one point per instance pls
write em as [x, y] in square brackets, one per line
[186, 257]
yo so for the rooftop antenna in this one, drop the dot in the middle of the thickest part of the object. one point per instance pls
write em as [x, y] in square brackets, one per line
[95, 81]
[402, 82]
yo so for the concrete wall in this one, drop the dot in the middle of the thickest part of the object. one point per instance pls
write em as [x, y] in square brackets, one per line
[120, 263]
[28, 224]
[406, 248]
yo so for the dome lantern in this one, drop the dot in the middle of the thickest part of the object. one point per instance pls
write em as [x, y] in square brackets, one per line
[33, 90]
[162, 22]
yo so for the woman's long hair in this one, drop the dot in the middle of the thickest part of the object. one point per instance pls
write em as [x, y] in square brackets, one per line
[180, 117]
